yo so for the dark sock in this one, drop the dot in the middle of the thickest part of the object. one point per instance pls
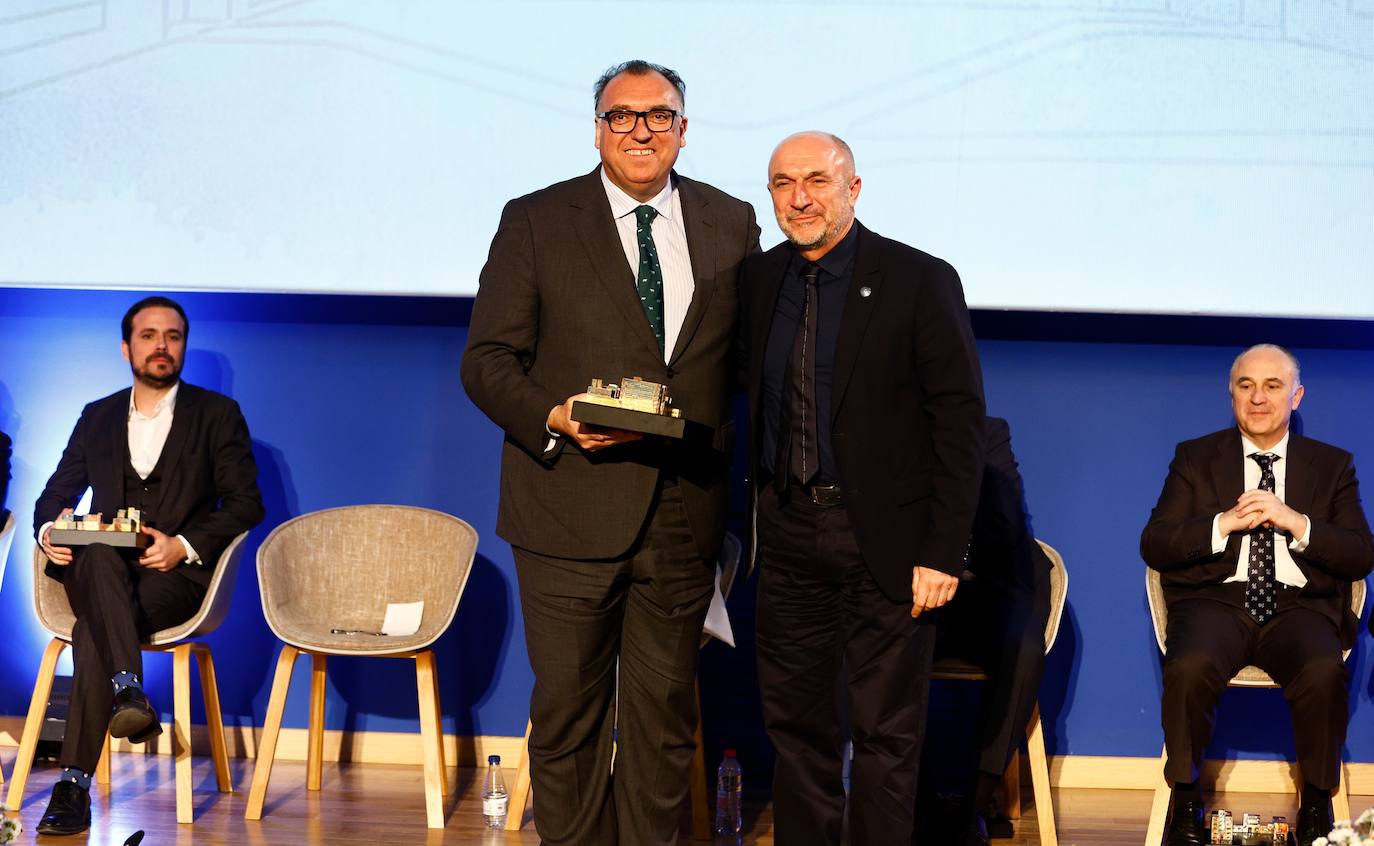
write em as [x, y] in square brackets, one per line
[77, 777]
[1186, 790]
[984, 786]
[1314, 795]
[123, 679]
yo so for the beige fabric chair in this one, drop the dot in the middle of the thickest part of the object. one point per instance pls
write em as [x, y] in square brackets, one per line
[1247, 677]
[728, 566]
[338, 569]
[55, 614]
[958, 670]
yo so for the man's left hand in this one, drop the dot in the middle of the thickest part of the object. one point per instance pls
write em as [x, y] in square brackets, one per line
[1259, 507]
[164, 553]
[930, 589]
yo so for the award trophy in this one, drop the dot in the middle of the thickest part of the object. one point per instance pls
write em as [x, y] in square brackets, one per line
[634, 405]
[125, 531]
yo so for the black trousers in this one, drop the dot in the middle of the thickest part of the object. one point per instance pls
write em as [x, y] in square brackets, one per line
[118, 605]
[1208, 641]
[642, 614]
[1000, 628]
[819, 611]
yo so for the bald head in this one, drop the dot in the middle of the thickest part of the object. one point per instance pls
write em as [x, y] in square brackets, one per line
[812, 182]
[1265, 391]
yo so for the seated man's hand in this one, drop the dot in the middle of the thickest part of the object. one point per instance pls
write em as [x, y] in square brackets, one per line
[164, 553]
[59, 555]
[1257, 507]
[930, 589]
[589, 438]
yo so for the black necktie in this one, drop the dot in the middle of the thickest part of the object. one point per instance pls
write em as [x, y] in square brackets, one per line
[650, 276]
[1260, 578]
[804, 459]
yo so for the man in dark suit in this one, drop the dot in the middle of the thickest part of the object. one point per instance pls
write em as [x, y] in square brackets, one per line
[5, 451]
[183, 457]
[630, 270]
[997, 622]
[866, 409]
[1258, 536]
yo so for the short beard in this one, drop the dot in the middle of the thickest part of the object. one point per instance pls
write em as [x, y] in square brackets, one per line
[828, 236]
[154, 381]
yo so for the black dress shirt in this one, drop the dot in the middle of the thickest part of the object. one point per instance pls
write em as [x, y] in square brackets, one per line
[837, 267]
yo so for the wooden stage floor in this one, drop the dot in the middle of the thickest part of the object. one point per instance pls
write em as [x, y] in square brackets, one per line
[377, 803]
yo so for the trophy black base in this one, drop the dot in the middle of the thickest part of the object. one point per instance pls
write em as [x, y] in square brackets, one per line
[77, 537]
[644, 422]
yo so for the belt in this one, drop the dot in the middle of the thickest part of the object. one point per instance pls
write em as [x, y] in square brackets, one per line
[821, 494]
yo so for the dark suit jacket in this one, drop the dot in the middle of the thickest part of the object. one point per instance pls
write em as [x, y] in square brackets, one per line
[1002, 549]
[1206, 477]
[4, 476]
[557, 307]
[209, 479]
[906, 404]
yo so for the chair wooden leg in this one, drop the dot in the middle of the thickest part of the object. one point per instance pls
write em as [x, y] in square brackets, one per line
[271, 729]
[214, 719]
[33, 723]
[1340, 801]
[1159, 809]
[520, 794]
[701, 812]
[431, 738]
[1011, 787]
[439, 721]
[1040, 781]
[314, 755]
[181, 729]
[102, 767]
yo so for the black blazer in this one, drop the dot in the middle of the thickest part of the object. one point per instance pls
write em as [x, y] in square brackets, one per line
[557, 307]
[1206, 477]
[906, 404]
[5, 452]
[1002, 549]
[209, 479]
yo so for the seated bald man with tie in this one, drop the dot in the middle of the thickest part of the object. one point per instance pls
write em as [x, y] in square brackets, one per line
[1258, 536]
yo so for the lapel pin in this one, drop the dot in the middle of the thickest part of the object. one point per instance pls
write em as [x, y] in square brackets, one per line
[865, 291]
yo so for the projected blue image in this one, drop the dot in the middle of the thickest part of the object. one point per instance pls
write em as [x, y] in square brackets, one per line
[1211, 156]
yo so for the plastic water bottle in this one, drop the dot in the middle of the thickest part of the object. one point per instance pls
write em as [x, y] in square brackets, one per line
[729, 786]
[495, 798]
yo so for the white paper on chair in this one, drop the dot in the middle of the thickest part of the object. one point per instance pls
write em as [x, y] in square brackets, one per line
[403, 618]
[717, 618]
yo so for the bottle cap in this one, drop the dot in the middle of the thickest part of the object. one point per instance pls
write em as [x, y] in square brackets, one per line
[493, 759]
[729, 753]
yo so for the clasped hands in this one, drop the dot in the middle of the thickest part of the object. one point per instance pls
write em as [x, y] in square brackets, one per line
[588, 437]
[163, 554]
[1261, 508]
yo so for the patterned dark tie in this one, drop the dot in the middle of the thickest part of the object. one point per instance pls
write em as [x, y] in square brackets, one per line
[805, 460]
[650, 277]
[1260, 578]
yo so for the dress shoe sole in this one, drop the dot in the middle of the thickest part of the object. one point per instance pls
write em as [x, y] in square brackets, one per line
[135, 724]
[62, 830]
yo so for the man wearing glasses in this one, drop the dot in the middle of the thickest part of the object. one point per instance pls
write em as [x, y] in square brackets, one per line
[630, 270]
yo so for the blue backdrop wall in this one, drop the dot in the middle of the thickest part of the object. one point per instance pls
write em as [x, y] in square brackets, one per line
[357, 399]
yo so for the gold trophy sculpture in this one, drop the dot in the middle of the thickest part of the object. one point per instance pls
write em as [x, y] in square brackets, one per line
[635, 405]
[126, 530]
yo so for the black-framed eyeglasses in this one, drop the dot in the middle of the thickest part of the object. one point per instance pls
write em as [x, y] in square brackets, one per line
[624, 120]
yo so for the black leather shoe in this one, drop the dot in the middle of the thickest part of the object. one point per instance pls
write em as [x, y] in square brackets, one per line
[1314, 821]
[974, 831]
[1186, 823]
[69, 810]
[133, 717]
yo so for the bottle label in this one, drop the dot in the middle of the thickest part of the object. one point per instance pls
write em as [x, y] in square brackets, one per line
[495, 806]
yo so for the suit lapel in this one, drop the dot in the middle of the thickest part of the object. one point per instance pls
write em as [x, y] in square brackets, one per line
[858, 310]
[591, 216]
[701, 249]
[1228, 469]
[764, 286]
[183, 417]
[1299, 476]
[119, 444]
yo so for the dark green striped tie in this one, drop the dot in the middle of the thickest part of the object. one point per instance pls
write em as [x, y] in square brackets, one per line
[650, 277]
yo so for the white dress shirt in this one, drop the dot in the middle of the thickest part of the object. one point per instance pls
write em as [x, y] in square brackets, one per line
[670, 241]
[1285, 569]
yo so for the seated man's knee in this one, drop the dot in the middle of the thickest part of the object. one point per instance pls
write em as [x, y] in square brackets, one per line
[95, 561]
[1193, 668]
[1326, 673]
